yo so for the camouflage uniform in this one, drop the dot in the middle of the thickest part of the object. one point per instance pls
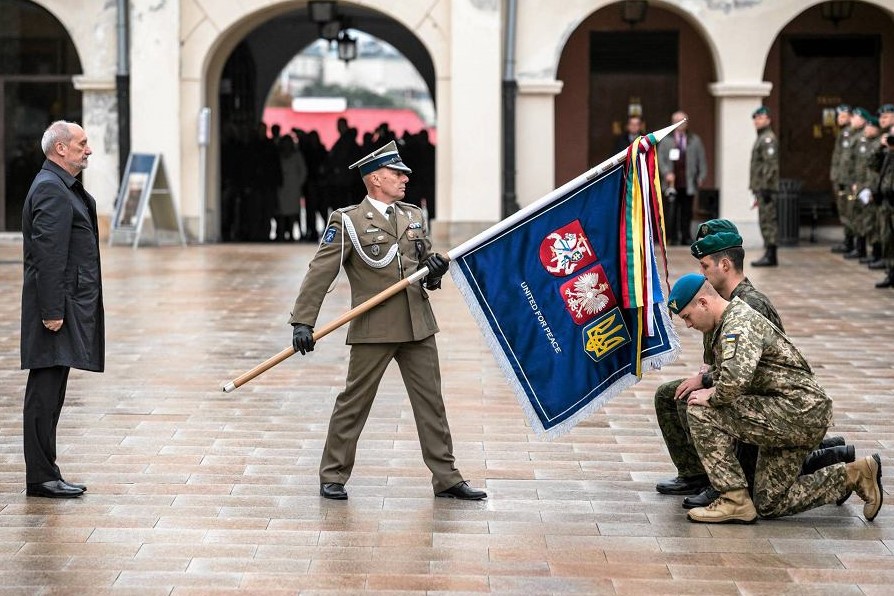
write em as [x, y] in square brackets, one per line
[886, 210]
[765, 393]
[865, 175]
[839, 174]
[765, 181]
[671, 412]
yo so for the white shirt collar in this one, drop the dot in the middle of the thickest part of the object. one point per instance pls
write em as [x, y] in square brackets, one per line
[379, 205]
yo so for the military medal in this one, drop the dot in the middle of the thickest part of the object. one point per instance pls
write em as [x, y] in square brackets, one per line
[375, 250]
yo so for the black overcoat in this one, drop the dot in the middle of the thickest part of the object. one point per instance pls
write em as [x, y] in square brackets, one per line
[62, 274]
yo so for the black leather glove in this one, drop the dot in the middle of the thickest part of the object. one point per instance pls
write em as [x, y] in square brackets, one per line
[303, 338]
[437, 265]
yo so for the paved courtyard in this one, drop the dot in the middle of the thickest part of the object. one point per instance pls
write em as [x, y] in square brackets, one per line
[192, 490]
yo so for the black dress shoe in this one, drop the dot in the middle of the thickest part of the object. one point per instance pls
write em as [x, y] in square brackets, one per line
[82, 487]
[333, 490]
[463, 491]
[702, 499]
[52, 489]
[683, 485]
[878, 264]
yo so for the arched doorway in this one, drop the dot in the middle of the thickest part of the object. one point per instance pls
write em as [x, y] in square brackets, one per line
[816, 63]
[37, 62]
[611, 68]
[250, 62]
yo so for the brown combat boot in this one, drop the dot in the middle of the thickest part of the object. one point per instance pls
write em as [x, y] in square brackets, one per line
[865, 477]
[732, 507]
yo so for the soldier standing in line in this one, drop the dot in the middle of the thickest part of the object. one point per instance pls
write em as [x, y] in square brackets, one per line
[765, 182]
[764, 392]
[841, 158]
[885, 121]
[886, 210]
[865, 180]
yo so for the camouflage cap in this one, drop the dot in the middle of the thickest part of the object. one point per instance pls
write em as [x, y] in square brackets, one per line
[712, 226]
[684, 291]
[715, 243]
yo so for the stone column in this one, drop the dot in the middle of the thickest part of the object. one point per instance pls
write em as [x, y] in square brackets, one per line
[101, 178]
[735, 137]
[535, 138]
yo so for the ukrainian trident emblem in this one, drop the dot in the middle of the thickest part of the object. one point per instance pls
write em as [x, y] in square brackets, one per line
[566, 250]
[605, 335]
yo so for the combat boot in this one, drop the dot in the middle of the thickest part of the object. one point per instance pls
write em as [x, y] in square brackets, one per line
[875, 254]
[822, 458]
[865, 478]
[769, 258]
[844, 247]
[888, 281]
[859, 249]
[731, 507]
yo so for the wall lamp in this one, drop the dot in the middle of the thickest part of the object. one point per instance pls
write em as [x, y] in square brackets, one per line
[634, 11]
[837, 11]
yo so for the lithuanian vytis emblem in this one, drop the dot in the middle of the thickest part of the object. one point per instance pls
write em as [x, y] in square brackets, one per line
[566, 250]
[588, 295]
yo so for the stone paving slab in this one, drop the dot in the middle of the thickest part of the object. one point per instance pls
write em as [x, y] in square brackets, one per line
[194, 491]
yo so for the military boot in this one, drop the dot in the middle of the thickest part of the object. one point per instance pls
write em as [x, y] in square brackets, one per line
[865, 478]
[888, 281]
[769, 258]
[844, 247]
[822, 458]
[875, 254]
[732, 507]
[859, 249]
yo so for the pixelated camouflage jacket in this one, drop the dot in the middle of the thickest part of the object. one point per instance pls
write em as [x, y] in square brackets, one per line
[867, 162]
[753, 298]
[842, 157]
[764, 162]
[754, 357]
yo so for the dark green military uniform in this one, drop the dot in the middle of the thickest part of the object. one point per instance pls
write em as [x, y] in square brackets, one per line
[765, 393]
[375, 256]
[886, 217]
[866, 177]
[671, 412]
[840, 175]
[764, 181]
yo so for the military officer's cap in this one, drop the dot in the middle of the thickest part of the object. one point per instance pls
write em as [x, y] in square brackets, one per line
[712, 226]
[383, 157]
[715, 243]
[872, 121]
[684, 291]
[843, 108]
[887, 108]
[862, 113]
[761, 110]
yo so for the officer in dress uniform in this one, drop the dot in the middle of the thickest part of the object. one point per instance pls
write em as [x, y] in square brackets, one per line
[379, 242]
[840, 166]
[765, 182]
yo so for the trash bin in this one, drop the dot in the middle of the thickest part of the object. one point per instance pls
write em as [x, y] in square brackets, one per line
[787, 213]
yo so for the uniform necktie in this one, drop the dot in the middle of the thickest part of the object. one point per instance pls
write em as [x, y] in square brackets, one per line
[392, 218]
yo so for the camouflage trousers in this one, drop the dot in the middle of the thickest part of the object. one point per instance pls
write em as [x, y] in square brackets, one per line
[855, 213]
[674, 425]
[782, 443]
[843, 206]
[869, 223]
[767, 217]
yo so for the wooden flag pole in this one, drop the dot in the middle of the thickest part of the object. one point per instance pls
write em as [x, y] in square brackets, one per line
[327, 329]
[419, 275]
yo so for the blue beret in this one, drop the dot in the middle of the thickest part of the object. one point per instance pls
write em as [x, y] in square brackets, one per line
[862, 113]
[712, 226]
[684, 291]
[715, 243]
[761, 110]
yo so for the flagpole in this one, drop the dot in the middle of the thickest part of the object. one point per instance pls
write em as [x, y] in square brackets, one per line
[524, 213]
[453, 253]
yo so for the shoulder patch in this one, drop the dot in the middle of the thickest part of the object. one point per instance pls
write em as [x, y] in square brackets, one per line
[329, 235]
[729, 343]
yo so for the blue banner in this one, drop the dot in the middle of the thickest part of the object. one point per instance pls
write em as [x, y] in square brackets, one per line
[546, 293]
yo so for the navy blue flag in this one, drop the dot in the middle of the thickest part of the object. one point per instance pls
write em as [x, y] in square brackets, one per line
[546, 292]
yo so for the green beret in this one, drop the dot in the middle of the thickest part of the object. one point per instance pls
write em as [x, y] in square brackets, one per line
[872, 121]
[712, 226]
[843, 108]
[862, 113]
[715, 243]
[761, 110]
[684, 291]
[887, 108]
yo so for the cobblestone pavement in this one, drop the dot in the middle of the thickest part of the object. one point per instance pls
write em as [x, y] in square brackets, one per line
[192, 490]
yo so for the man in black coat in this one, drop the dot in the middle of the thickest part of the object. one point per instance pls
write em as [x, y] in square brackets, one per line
[62, 313]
